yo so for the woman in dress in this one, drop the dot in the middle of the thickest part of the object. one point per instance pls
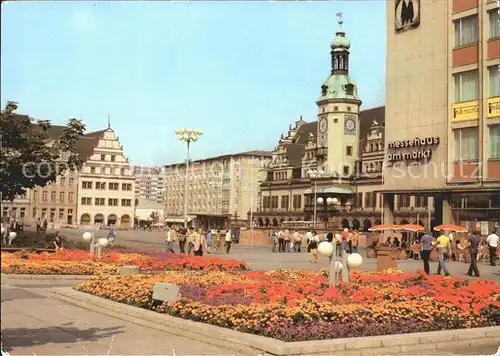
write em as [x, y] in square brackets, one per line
[313, 246]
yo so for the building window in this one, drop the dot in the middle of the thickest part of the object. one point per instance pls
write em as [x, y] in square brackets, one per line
[346, 170]
[466, 86]
[466, 144]
[100, 185]
[297, 201]
[103, 157]
[357, 200]
[52, 214]
[61, 196]
[335, 108]
[44, 213]
[61, 214]
[5, 211]
[33, 215]
[370, 199]
[126, 202]
[87, 185]
[52, 196]
[112, 202]
[22, 213]
[335, 121]
[494, 140]
[70, 197]
[100, 201]
[466, 31]
[494, 24]
[113, 158]
[35, 195]
[403, 201]
[114, 186]
[92, 170]
[494, 81]
[274, 202]
[45, 195]
[266, 202]
[70, 212]
[285, 199]
[63, 182]
[420, 201]
[348, 150]
[86, 201]
[71, 182]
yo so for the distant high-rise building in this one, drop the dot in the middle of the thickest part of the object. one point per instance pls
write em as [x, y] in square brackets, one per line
[149, 183]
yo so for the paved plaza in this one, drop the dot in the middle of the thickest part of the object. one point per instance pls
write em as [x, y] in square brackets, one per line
[262, 258]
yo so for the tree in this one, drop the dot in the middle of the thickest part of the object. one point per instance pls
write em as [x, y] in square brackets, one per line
[155, 217]
[29, 156]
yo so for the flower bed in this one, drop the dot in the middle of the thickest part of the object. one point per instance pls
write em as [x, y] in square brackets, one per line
[80, 263]
[299, 305]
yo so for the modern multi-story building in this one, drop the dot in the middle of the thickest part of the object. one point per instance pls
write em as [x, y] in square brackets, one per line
[443, 108]
[221, 190]
[149, 183]
[106, 193]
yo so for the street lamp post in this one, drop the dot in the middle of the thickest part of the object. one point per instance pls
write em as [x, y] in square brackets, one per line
[313, 174]
[188, 136]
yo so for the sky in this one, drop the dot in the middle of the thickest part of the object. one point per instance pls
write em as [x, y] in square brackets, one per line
[239, 71]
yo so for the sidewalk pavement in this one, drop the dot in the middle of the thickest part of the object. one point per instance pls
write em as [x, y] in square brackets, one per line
[33, 324]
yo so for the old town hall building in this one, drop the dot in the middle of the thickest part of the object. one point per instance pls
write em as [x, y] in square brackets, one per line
[327, 172]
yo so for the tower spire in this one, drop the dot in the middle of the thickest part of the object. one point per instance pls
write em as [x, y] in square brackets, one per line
[109, 121]
[340, 49]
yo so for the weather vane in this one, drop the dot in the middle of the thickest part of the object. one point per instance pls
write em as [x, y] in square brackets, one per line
[339, 15]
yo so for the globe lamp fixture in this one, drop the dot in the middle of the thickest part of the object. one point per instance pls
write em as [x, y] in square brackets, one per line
[354, 260]
[325, 249]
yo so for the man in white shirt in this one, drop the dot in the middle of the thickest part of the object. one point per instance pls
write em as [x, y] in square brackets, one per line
[169, 240]
[229, 240]
[492, 241]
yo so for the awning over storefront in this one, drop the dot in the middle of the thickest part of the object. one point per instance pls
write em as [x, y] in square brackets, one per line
[178, 220]
[456, 190]
[329, 190]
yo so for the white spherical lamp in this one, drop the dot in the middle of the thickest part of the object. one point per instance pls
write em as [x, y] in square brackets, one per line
[329, 201]
[325, 249]
[103, 242]
[3, 230]
[87, 236]
[354, 260]
[320, 200]
[335, 201]
[338, 267]
[12, 235]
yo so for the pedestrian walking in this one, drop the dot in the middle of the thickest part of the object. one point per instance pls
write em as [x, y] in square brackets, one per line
[228, 241]
[198, 243]
[297, 241]
[313, 247]
[288, 239]
[169, 241]
[191, 240]
[281, 241]
[426, 242]
[474, 242]
[182, 239]
[274, 239]
[492, 241]
[309, 237]
[444, 248]
[112, 235]
[208, 240]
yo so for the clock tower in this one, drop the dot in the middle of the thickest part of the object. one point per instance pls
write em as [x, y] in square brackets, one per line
[338, 112]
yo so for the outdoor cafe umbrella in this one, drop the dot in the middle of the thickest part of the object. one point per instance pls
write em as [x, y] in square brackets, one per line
[412, 228]
[385, 227]
[450, 227]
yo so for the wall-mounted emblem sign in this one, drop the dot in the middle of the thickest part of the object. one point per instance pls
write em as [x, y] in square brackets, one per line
[466, 111]
[494, 107]
[417, 149]
[407, 14]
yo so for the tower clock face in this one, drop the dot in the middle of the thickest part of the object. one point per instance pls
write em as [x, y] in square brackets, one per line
[323, 125]
[350, 126]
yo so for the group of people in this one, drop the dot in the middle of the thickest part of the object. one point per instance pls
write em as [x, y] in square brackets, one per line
[444, 244]
[196, 240]
[286, 241]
